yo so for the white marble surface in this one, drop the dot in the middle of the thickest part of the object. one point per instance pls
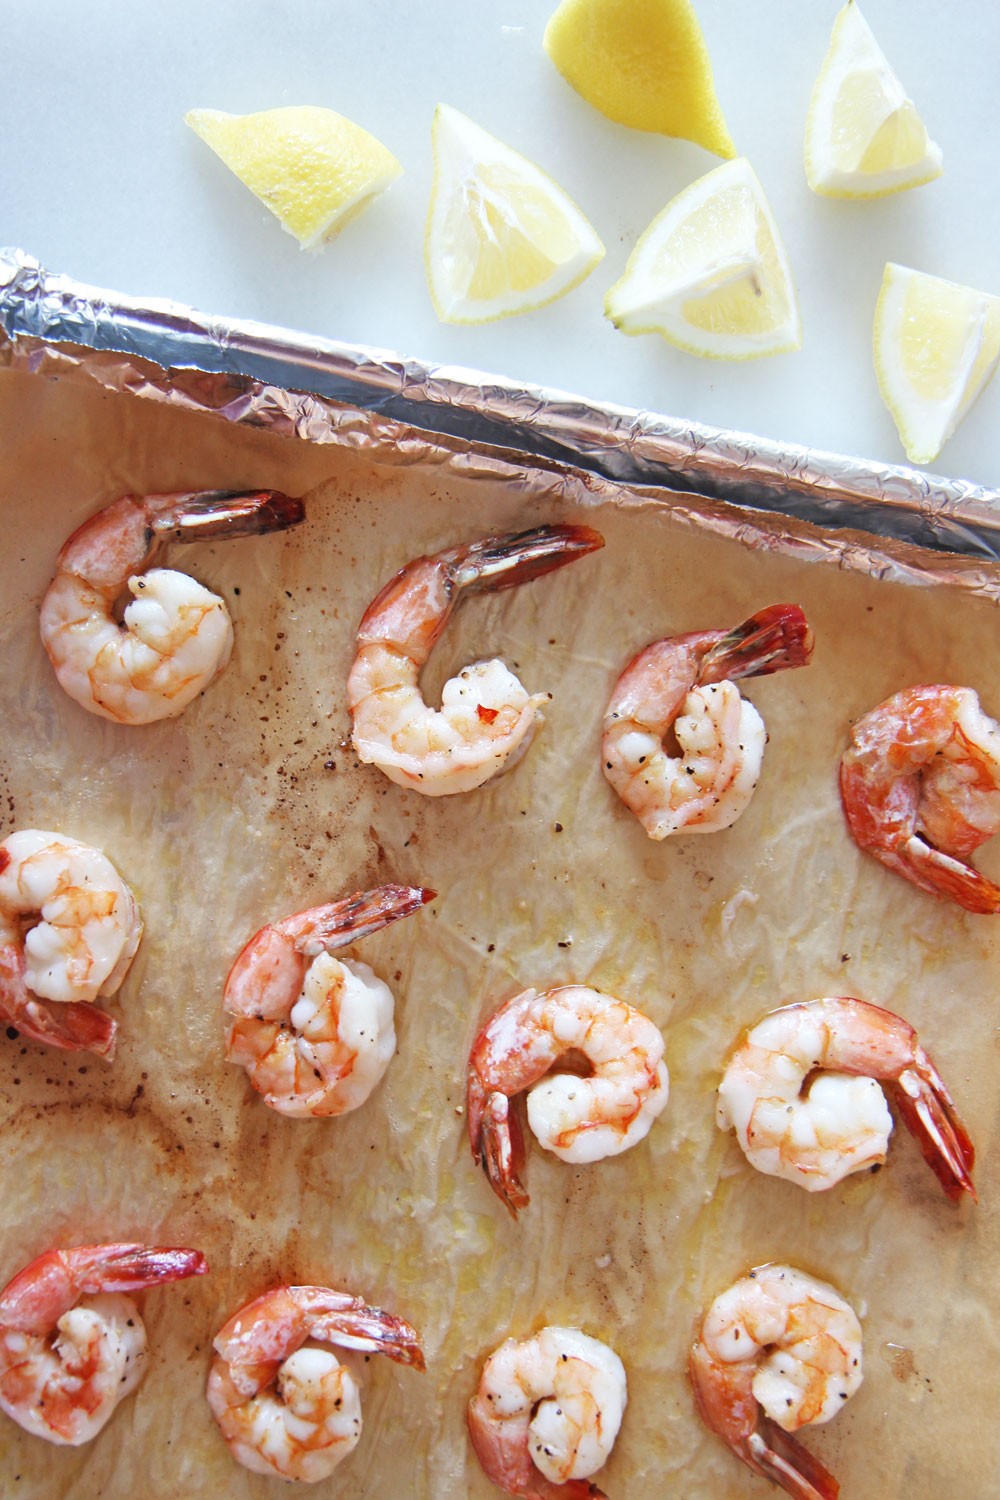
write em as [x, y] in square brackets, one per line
[100, 178]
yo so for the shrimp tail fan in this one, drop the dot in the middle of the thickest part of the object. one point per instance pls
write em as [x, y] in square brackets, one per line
[75, 1026]
[503, 562]
[944, 875]
[772, 1453]
[773, 640]
[931, 1117]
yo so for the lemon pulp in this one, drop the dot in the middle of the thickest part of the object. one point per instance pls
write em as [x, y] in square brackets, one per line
[710, 273]
[502, 237]
[936, 345]
[864, 137]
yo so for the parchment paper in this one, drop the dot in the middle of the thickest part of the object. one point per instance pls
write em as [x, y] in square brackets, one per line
[251, 805]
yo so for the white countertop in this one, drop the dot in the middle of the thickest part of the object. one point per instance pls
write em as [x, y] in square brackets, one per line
[101, 179]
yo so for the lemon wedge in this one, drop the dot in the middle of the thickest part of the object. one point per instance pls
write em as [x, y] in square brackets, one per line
[936, 344]
[643, 63]
[502, 237]
[864, 137]
[710, 273]
[312, 168]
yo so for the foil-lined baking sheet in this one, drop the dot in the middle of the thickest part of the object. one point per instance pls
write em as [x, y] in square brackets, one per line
[251, 805]
[870, 515]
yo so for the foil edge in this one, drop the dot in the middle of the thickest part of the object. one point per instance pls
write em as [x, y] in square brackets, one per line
[885, 520]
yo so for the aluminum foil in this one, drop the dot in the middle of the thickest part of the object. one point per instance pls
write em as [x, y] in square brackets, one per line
[886, 520]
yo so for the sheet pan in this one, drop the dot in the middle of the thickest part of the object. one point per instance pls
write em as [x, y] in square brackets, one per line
[252, 805]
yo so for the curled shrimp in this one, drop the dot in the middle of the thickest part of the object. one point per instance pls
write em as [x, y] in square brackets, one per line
[547, 1413]
[314, 1032]
[578, 1118]
[920, 786]
[69, 929]
[71, 1345]
[683, 687]
[802, 1092]
[486, 718]
[287, 1407]
[175, 636]
[776, 1351]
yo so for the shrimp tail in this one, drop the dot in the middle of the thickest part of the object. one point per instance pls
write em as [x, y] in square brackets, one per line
[775, 1455]
[772, 640]
[73, 1026]
[129, 1267]
[929, 1113]
[497, 1140]
[324, 929]
[268, 1329]
[503, 562]
[944, 875]
[53, 1282]
[209, 515]
[374, 1331]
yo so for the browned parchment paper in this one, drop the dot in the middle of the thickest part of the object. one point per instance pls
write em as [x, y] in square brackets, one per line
[251, 805]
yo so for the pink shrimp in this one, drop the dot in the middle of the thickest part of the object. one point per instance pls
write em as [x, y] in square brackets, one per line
[776, 1351]
[546, 1414]
[69, 929]
[71, 1346]
[920, 786]
[486, 717]
[802, 1091]
[284, 1406]
[579, 1119]
[684, 685]
[175, 636]
[315, 1033]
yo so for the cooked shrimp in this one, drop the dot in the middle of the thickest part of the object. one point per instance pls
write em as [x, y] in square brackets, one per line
[920, 784]
[71, 1346]
[69, 928]
[577, 1118]
[546, 1414]
[816, 1135]
[683, 686]
[777, 1351]
[486, 718]
[286, 1407]
[175, 636]
[315, 1033]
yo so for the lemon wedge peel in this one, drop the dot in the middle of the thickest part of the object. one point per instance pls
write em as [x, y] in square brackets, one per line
[710, 273]
[936, 345]
[502, 236]
[314, 169]
[864, 137]
[641, 63]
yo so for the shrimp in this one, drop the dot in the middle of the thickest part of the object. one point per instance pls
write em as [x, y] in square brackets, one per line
[315, 1033]
[71, 1345]
[175, 636]
[69, 929]
[920, 786]
[547, 1413]
[840, 1123]
[286, 1407]
[683, 686]
[577, 1118]
[777, 1351]
[486, 718]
